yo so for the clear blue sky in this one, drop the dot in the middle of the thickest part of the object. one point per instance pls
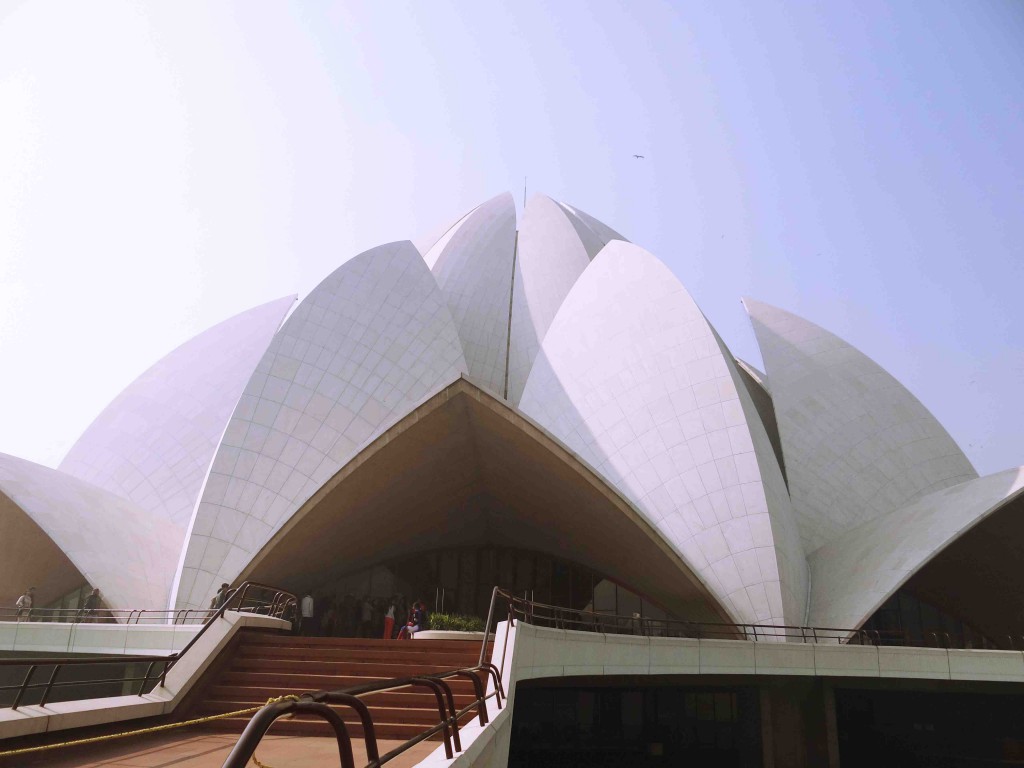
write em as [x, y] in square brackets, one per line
[164, 166]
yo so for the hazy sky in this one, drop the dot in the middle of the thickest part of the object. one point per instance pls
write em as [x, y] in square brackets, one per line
[165, 166]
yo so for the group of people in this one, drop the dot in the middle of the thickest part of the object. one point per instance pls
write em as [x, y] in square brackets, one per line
[351, 616]
[87, 612]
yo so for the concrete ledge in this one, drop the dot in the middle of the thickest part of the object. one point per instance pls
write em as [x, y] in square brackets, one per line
[986, 665]
[29, 637]
[86, 712]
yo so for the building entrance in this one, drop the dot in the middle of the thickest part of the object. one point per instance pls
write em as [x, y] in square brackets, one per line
[460, 580]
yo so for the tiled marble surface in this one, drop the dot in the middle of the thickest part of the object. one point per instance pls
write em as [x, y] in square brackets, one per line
[153, 444]
[127, 552]
[474, 269]
[857, 443]
[633, 378]
[370, 342]
[855, 573]
[551, 256]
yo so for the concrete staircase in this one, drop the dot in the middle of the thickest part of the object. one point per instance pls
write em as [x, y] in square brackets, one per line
[265, 665]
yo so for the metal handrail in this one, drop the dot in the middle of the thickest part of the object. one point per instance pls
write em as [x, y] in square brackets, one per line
[314, 703]
[542, 614]
[282, 605]
[105, 615]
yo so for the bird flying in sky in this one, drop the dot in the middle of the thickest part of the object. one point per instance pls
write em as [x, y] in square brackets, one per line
[639, 157]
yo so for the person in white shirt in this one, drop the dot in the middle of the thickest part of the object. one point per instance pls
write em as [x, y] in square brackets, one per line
[306, 615]
[25, 603]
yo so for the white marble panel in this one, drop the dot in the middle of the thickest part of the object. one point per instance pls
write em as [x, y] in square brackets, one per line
[128, 553]
[784, 658]
[633, 379]
[154, 442]
[846, 660]
[930, 663]
[856, 443]
[855, 573]
[366, 346]
[474, 269]
[549, 258]
[985, 665]
[727, 657]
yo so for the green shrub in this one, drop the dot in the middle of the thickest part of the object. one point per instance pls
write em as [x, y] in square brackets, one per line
[456, 622]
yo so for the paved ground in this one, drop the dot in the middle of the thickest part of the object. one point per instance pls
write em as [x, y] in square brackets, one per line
[208, 750]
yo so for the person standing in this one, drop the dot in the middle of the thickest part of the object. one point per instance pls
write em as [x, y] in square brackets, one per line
[90, 607]
[25, 603]
[389, 620]
[366, 618]
[222, 596]
[307, 617]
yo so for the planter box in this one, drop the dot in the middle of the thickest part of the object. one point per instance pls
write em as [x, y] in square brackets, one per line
[447, 634]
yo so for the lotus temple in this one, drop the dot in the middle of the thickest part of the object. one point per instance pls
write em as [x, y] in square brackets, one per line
[540, 405]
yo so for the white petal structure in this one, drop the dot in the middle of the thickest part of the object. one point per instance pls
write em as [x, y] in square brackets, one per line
[855, 573]
[857, 444]
[633, 378]
[371, 341]
[551, 386]
[473, 266]
[550, 257]
[153, 444]
[128, 554]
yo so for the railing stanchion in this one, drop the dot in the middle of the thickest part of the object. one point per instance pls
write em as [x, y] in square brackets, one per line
[24, 686]
[49, 685]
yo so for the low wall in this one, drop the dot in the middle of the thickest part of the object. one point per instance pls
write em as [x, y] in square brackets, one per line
[534, 653]
[161, 701]
[27, 638]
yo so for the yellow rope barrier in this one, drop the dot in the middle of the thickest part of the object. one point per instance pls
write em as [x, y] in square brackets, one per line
[154, 729]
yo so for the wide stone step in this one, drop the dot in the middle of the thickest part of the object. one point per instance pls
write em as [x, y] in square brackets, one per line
[403, 697]
[362, 669]
[423, 716]
[302, 727]
[327, 653]
[297, 641]
[285, 682]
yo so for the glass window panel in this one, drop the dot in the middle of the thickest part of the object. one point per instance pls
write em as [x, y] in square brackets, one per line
[604, 597]
[524, 572]
[629, 603]
[582, 587]
[507, 568]
[449, 569]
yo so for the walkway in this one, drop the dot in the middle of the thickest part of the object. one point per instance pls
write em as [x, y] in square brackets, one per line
[208, 750]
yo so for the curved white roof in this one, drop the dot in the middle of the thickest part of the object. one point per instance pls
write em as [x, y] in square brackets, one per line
[593, 234]
[856, 572]
[857, 444]
[633, 378]
[473, 266]
[154, 442]
[117, 546]
[367, 344]
[550, 256]
[427, 244]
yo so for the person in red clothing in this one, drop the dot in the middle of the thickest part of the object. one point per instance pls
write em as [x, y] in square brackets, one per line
[389, 620]
[416, 623]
